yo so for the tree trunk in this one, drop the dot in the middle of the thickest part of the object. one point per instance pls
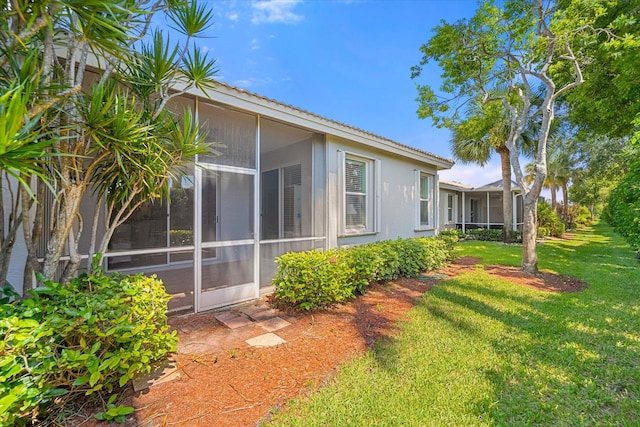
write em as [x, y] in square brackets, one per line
[554, 190]
[507, 200]
[66, 214]
[9, 222]
[529, 227]
[565, 201]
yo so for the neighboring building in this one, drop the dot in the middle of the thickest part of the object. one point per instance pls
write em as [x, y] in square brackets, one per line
[284, 180]
[465, 207]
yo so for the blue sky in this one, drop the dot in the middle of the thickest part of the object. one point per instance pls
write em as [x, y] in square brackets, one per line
[346, 60]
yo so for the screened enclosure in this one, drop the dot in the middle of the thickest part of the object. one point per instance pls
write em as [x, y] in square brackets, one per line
[258, 193]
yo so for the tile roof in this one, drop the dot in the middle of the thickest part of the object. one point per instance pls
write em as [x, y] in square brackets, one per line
[334, 122]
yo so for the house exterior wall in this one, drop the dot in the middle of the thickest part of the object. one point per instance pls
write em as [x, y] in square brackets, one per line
[233, 118]
[396, 196]
[443, 208]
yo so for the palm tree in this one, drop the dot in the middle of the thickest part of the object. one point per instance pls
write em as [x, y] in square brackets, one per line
[558, 174]
[483, 133]
[122, 145]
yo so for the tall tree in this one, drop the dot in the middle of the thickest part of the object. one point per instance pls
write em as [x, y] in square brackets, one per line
[558, 173]
[517, 47]
[609, 100]
[598, 165]
[106, 77]
[482, 132]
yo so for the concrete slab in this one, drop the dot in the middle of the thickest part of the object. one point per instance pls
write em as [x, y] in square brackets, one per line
[236, 322]
[266, 340]
[273, 324]
[164, 372]
[253, 308]
[225, 315]
[264, 315]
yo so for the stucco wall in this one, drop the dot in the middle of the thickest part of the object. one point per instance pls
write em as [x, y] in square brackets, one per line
[396, 203]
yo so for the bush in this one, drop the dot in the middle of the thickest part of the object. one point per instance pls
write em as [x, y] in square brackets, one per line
[490, 235]
[89, 336]
[623, 207]
[450, 237]
[313, 279]
[550, 220]
[316, 279]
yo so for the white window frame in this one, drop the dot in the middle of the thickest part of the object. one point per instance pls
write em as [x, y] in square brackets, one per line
[372, 206]
[419, 199]
[451, 209]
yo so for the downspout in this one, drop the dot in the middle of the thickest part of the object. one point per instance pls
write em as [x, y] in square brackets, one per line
[464, 213]
[488, 212]
[514, 211]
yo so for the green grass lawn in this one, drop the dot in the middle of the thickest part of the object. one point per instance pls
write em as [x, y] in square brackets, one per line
[479, 351]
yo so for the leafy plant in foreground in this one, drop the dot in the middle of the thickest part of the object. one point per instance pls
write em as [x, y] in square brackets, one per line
[90, 336]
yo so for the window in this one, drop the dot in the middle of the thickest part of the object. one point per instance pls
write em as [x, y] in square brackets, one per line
[425, 200]
[359, 195]
[450, 202]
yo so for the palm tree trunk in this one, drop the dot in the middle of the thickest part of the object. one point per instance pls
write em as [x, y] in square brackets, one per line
[507, 200]
[529, 254]
[554, 190]
[565, 201]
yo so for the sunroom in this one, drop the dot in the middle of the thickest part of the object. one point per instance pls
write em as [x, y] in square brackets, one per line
[258, 194]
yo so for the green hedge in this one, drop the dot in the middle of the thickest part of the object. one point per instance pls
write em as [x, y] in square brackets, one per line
[549, 222]
[488, 235]
[92, 335]
[316, 279]
[623, 206]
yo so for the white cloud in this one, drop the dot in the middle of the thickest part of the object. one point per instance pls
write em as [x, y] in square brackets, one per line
[254, 82]
[233, 16]
[275, 11]
[255, 44]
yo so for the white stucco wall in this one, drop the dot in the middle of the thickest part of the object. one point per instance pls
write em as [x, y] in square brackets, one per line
[396, 207]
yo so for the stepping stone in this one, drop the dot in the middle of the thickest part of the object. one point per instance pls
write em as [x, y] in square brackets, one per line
[263, 314]
[273, 324]
[225, 315]
[265, 340]
[236, 322]
[164, 372]
[254, 308]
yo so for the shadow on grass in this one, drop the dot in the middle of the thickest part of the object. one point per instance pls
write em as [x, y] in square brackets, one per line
[555, 359]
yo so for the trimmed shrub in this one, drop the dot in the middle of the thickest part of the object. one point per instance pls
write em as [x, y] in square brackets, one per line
[488, 235]
[450, 237]
[623, 207]
[314, 279]
[550, 220]
[92, 335]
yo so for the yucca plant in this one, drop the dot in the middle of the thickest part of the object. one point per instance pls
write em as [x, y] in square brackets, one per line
[87, 84]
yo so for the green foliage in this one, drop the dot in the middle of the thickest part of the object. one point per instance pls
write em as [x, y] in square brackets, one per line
[623, 209]
[479, 350]
[316, 279]
[92, 335]
[450, 237]
[489, 235]
[549, 220]
[114, 412]
[313, 279]
[578, 216]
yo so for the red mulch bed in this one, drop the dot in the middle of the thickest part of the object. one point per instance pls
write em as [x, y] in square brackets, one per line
[240, 385]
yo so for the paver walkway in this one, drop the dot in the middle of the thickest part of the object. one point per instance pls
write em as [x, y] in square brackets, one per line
[263, 316]
[253, 324]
